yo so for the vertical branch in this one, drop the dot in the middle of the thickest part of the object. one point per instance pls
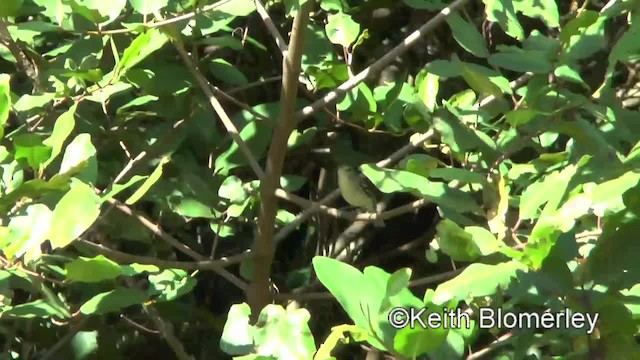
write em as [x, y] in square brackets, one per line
[259, 294]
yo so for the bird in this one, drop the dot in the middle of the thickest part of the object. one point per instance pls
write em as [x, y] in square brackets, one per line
[357, 191]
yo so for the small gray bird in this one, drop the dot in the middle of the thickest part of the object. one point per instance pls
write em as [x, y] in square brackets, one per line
[357, 191]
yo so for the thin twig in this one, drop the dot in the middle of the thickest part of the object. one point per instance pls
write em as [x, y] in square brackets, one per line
[139, 326]
[164, 22]
[498, 342]
[166, 329]
[254, 84]
[155, 229]
[381, 63]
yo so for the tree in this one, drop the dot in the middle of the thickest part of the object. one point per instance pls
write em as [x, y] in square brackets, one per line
[168, 179]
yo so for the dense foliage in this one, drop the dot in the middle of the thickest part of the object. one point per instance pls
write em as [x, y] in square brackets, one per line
[163, 162]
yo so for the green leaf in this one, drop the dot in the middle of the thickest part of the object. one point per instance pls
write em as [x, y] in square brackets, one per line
[627, 49]
[79, 151]
[91, 270]
[226, 72]
[431, 5]
[31, 148]
[456, 242]
[614, 260]
[257, 135]
[29, 232]
[237, 335]
[148, 183]
[105, 93]
[350, 288]
[420, 164]
[117, 188]
[612, 190]
[297, 138]
[480, 82]
[390, 181]
[455, 133]
[339, 334]
[113, 301]
[504, 13]
[170, 284]
[5, 101]
[461, 175]
[61, 130]
[32, 189]
[140, 48]
[84, 343]
[477, 280]
[135, 269]
[139, 101]
[35, 309]
[222, 42]
[148, 7]
[341, 29]
[568, 73]
[583, 20]
[484, 240]
[398, 281]
[416, 341]
[334, 5]
[109, 9]
[545, 10]
[468, 36]
[519, 117]
[10, 8]
[78, 209]
[516, 59]
[588, 41]
[285, 333]
[428, 85]
[237, 7]
[30, 102]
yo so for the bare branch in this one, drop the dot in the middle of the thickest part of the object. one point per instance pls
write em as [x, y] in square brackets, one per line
[259, 294]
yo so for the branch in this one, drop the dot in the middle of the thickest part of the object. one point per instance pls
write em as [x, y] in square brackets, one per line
[280, 42]
[327, 295]
[349, 215]
[215, 265]
[381, 63]
[186, 16]
[217, 107]
[166, 329]
[259, 294]
[155, 229]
